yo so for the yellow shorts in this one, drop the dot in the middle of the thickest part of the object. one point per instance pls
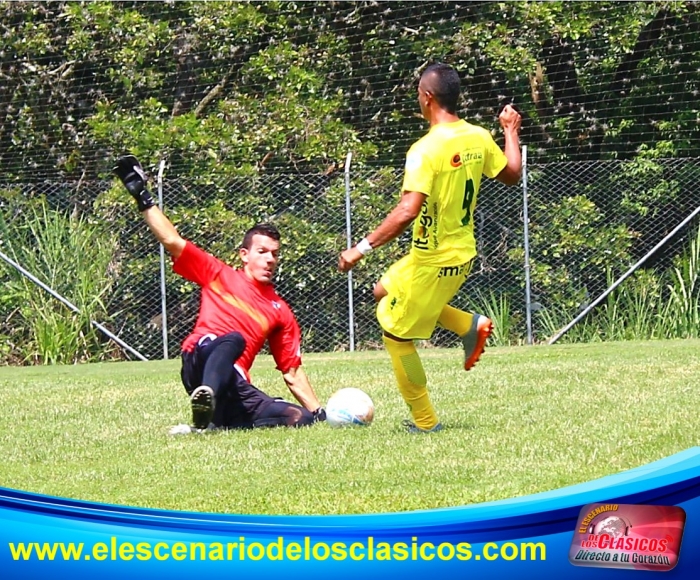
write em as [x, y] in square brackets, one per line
[416, 295]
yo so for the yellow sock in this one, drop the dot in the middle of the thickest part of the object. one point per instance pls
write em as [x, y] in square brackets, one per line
[411, 380]
[457, 321]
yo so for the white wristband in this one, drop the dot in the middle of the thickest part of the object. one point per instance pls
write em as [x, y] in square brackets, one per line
[364, 247]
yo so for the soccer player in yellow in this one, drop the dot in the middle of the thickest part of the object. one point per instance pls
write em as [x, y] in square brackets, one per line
[441, 182]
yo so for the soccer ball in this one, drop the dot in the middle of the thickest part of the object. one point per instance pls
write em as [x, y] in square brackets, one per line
[348, 407]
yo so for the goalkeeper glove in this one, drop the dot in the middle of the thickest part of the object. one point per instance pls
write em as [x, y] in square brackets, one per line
[319, 415]
[129, 171]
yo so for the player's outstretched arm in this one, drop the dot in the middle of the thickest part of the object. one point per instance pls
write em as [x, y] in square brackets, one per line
[164, 231]
[511, 121]
[394, 224]
[129, 171]
[299, 385]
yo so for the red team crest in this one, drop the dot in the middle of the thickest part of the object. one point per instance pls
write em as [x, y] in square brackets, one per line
[633, 537]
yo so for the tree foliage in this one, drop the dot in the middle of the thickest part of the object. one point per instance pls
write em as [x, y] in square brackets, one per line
[254, 106]
[231, 87]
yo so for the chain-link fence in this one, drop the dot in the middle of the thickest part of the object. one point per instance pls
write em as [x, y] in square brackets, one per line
[588, 223]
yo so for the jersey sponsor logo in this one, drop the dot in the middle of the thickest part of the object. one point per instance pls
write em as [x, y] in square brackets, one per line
[425, 230]
[422, 232]
[474, 156]
[451, 271]
[426, 222]
[461, 270]
[465, 157]
[276, 305]
[413, 161]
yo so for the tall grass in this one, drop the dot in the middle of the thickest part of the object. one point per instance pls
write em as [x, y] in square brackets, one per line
[72, 256]
[682, 313]
[646, 306]
[497, 307]
[632, 310]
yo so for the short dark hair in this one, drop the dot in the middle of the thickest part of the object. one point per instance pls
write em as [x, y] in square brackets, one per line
[260, 229]
[445, 86]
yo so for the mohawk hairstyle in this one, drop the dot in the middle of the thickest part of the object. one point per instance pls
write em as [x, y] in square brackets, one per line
[444, 85]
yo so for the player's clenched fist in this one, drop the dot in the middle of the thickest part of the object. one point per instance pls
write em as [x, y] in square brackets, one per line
[510, 118]
[348, 259]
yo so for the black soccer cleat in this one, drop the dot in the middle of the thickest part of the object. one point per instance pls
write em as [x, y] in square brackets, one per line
[202, 401]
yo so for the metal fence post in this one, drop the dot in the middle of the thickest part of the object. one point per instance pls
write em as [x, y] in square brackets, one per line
[526, 241]
[163, 302]
[348, 232]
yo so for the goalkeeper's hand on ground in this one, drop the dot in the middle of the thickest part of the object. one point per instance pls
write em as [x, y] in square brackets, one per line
[319, 415]
[129, 171]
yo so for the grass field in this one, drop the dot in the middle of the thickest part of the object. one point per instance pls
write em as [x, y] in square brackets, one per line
[524, 420]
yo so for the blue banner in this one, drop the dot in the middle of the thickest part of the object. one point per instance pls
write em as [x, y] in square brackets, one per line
[527, 537]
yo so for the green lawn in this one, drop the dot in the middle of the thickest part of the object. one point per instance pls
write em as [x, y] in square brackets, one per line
[525, 420]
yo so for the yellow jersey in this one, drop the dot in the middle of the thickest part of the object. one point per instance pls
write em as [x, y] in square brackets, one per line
[446, 165]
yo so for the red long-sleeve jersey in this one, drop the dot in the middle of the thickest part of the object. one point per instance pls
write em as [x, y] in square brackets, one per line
[232, 301]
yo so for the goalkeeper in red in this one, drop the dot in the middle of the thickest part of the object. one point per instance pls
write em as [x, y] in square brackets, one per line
[239, 311]
[441, 182]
